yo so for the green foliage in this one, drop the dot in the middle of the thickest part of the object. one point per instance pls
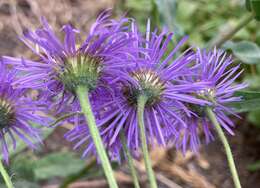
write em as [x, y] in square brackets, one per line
[248, 5]
[254, 6]
[57, 165]
[141, 9]
[201, 23]
[167, 12]
[23, 184]
[23, 167]
[246, 51]
[138, 5]
[250, 102]
[26, 184]
[247, 105]
[253, 81]
[204, 23]
[161, 12]
[27, 168]
[248, 95]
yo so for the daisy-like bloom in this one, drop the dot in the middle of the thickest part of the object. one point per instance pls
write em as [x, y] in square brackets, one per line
[156, 75]
[215, 68]
[62, 66]
[17, 112]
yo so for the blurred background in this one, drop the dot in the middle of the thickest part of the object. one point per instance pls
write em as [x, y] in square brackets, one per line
[55, 164]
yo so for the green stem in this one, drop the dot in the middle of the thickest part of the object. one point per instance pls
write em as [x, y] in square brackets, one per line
[5, 175]
[224, 141]
[82, 93]
[230, 33]
[129, 160]
[140, 111]
[74, 177]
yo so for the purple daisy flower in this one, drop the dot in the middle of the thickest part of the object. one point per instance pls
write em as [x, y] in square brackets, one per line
[17, 112]
[157, 75]
[63, 66]
[215, 68]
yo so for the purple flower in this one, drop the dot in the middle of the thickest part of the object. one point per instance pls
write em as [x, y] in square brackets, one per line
[63, 66]
[17, 112]
[215, 68]
[158, 76]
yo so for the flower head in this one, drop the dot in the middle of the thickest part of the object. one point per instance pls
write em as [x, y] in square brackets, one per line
[17, 112]
[63, 66]
[215, 68]
[157, 76]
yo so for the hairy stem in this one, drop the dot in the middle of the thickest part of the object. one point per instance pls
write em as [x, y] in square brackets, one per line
[82, 93]
[225, 143]
[140, 111]
[129, 160]
[5, 175]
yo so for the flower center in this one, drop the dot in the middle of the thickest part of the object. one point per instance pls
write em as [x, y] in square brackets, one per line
[80, 70]
[7, 114]
[149, 84]
[208, 94]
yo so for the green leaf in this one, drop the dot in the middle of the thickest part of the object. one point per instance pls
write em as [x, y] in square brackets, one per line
[248, 52]
[248, 95]
[23, 167]
[254, 167]
[250, 102]
[246, 105]
[58, 165]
